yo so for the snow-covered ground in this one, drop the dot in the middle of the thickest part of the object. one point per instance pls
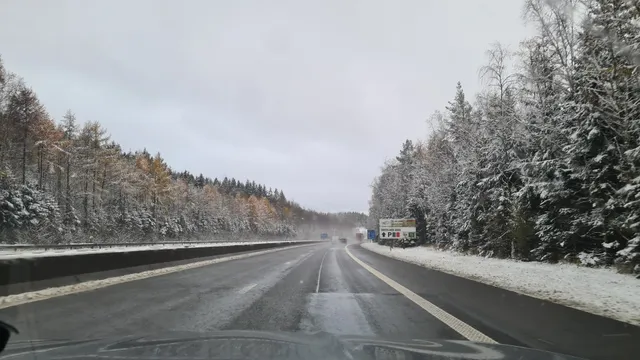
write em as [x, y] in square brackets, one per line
[598, 291]
[18, 252]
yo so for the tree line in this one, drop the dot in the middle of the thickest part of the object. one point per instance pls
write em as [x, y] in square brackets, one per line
[68, 181]
[544, 165]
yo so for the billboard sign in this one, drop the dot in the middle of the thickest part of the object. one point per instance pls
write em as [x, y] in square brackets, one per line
[397, 228]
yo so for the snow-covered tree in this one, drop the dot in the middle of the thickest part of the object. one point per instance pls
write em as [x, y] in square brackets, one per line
[70, 182]
[545, 165]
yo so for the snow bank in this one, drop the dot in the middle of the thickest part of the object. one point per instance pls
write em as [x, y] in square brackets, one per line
[598, 291]
[30, 253]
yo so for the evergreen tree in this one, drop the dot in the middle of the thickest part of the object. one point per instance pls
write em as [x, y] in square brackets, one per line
[200, 181]
[544, 166]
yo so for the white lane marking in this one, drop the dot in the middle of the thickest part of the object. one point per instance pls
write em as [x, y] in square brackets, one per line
[546, 341]
[246, 288]
[32, 296]
[320, 271]
[451, 321]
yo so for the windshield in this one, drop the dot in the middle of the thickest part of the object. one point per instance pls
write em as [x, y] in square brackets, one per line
[464, 171]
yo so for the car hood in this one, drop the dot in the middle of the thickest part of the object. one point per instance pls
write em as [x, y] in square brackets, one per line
[266, 346]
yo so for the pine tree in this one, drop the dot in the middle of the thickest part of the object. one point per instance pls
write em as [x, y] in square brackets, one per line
[544, 166]
[200, 181]
[606, 103]
[459, 124]
[224, 186]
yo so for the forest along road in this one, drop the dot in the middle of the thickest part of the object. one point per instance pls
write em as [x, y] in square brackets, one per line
[322, 287]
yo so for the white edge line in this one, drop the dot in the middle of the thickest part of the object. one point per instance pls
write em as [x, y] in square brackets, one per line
[320, 270]
[451, 321]
[48, 293]
[246, 288]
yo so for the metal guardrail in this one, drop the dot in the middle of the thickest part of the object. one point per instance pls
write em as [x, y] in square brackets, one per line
[17, 247]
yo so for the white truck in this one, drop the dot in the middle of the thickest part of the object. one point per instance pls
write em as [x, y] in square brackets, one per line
[335, 239]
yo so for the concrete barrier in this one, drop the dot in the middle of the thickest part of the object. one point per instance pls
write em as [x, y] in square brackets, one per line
[37, 269]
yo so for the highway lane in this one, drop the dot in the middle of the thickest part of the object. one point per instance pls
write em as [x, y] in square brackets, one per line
[316, 288]
[512, 318]
[348, 300]
[275, 291]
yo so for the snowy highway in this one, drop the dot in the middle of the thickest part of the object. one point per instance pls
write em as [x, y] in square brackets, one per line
[333, 288]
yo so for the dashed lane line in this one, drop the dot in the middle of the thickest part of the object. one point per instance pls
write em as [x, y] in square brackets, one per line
[320, 270]
[246, 288]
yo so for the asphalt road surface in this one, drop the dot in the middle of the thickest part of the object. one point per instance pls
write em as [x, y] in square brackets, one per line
[321, 287]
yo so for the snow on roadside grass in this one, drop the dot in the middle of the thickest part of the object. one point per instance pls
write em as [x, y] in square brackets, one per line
[598, 291]
[31, 253]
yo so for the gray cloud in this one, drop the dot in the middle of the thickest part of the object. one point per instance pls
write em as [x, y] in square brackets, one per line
[309, 97]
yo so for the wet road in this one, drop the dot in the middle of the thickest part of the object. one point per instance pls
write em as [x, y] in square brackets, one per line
[319, 287]
[284, 290]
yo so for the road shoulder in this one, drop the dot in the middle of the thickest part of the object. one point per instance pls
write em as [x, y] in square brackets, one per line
[509, 317]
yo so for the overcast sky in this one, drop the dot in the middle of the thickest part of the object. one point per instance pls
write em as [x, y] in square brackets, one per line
[307, 96]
